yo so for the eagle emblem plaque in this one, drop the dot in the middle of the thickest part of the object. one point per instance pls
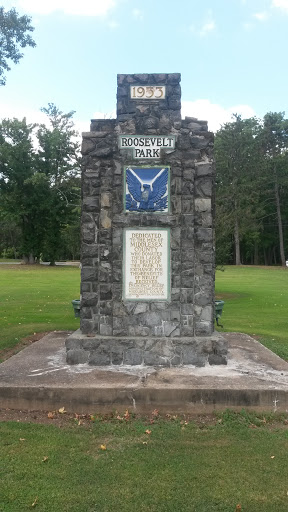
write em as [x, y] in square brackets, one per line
[146, 189]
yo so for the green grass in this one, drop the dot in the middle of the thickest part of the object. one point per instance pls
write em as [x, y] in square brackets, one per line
[256, 303]
[201, 467]
[10, 260]
[36, 299]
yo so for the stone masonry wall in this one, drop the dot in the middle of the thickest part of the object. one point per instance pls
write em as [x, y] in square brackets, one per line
[190, 311]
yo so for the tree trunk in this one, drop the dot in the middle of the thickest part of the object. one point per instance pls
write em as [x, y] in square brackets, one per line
[31, 259]
[237, 243]
[279, 220]
[256, 254]
[274, 256]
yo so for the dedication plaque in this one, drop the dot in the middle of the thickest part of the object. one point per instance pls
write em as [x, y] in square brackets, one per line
[146, 264]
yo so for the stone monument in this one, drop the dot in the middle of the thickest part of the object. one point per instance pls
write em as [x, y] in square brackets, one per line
[148, 271]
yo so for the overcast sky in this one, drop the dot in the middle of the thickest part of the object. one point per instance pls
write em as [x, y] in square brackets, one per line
[231, 55]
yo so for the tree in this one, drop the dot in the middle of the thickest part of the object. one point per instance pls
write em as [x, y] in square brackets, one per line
[23, 191]
[13, 36]
[275, 149]
[58, 159]
[40, 188]
[238, 162]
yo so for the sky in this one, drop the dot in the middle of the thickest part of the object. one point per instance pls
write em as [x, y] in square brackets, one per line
[231, 55]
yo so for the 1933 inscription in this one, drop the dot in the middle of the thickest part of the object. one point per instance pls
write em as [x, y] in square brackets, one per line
[146, 264]
[148, 92]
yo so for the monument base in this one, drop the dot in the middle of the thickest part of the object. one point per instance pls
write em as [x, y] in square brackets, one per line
[98, 350]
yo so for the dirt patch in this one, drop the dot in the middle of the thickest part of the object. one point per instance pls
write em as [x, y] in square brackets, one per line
[9, 352]
[62, 419]
[43, 417]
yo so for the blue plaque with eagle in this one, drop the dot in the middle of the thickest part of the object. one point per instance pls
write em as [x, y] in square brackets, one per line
[147, 189]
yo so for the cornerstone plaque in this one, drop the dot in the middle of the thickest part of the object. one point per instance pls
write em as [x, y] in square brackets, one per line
[146, 264]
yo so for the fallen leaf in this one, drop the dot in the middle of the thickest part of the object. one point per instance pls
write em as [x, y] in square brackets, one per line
[119, 418]
[155, 412]
[103, 447]
[80, 422]
[45, 459]
[272, 456]
[62, 410]
[148, 431]
[92, 418]
[22, 439]
[238, 507]
[35, 502]
[127, 415]
[145, 442]
[51, 415]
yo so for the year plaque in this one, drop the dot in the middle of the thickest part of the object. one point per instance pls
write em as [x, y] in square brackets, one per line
[146, 264]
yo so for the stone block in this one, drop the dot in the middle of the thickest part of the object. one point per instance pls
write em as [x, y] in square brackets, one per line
[105, 291]
[203, 328]
[73, 343]
[133, 356]
[187, 295]
[217, 359]
[117, 355]
[141, 307]
[105, 219]
[187, 309]
[100, 357]
[170, 327]
[105, 199]
[106, 330]
[90, 344]
[190, 356]
[138, 330]
[89, 274]
[89, 299]
[76, 356]
[152, 359]
[202, 205]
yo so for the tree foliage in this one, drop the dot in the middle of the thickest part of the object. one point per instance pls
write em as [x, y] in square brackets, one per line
[252, 186]
[14, 35]
[40, 188]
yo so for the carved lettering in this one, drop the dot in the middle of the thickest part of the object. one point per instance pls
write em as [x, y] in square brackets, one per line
[150, 145]
[146, 264]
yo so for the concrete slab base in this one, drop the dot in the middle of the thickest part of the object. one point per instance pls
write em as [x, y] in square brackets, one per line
[38, 378]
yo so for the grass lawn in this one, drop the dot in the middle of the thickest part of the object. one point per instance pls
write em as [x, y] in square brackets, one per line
[207, 465]
[36, 299]
[256, 302]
